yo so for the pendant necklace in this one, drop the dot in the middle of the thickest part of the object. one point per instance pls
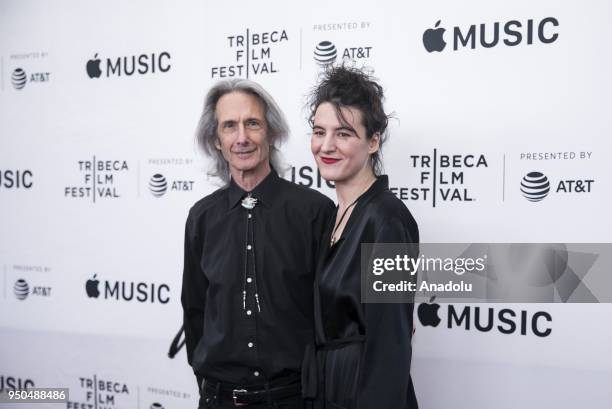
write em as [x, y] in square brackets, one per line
[333, 236]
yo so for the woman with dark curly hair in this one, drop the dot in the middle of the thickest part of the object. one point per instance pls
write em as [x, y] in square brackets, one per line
[362, 354]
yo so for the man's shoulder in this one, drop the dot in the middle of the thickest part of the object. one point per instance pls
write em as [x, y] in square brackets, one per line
[207, 202]
[304, 194]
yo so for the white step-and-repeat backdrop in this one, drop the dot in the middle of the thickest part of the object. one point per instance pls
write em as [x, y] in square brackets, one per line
[98, 168]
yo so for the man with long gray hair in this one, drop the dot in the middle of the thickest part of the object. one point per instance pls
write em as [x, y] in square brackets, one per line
[251, 249]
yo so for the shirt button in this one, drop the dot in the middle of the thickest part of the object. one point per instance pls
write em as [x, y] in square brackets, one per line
[248, 312]
[256, 373]
[249, 280]
[249, 247]
[250, 215]
[250, 344]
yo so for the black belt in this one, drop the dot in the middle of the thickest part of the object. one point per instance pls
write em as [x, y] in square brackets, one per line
[310, 367]
[243, 396]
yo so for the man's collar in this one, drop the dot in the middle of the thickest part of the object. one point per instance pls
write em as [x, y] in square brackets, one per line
[265, 192]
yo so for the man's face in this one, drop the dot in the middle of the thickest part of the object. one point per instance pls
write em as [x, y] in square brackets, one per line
[242, 132]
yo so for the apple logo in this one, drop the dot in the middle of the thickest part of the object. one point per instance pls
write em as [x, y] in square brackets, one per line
[93, 67]
[91, 286]
[432, 39]
[428, 313]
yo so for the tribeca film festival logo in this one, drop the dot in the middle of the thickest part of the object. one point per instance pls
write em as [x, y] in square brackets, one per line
[15, 179]
[99, 179]
[535, 186]
[505, 321]
[511, 33]
[326, 53]
[128, 291]
[252, 54]
[127, 66]
[100, 394]
[441, 178]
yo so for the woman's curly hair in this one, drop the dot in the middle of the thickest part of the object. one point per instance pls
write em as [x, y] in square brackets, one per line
[344, 86]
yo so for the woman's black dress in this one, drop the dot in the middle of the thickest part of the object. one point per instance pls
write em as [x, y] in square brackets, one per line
[363, 351]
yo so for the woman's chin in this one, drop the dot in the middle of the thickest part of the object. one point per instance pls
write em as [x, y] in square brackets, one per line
[328, 174]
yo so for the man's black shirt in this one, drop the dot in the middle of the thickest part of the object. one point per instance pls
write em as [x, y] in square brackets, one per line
[248, 280]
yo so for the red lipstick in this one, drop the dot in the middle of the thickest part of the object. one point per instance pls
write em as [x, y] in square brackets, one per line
[329, 161]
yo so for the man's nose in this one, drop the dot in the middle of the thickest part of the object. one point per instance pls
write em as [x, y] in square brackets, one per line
[242, 135]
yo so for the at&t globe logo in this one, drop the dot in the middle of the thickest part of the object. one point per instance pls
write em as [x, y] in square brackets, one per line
[325, 53]
[535, 186]
[19, 78]
[21, 289]
[158, 185]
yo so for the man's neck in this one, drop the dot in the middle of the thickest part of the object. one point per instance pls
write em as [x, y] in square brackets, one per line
[249, 179]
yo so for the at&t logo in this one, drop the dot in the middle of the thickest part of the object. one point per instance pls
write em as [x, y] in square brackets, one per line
[22, 290]
[535, 186]
[326, 53]
[19, 78]
[158, 185]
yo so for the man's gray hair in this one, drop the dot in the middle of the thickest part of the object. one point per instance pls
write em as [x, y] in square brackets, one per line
[278, 129]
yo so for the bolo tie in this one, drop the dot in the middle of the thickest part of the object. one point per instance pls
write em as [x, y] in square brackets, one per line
[249, 202]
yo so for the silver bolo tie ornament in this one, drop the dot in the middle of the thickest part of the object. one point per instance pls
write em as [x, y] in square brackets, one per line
[249, 203]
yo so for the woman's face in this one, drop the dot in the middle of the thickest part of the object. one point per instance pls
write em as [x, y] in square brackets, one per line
[342, 151]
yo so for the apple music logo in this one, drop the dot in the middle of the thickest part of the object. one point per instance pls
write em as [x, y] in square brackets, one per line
[510, 33]
[433, 38]
[142, 64]
[13, 383]
[128, 291]
[15, 179]
[504, 321]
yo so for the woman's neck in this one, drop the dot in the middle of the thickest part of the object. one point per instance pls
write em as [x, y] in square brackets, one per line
[348, 191]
